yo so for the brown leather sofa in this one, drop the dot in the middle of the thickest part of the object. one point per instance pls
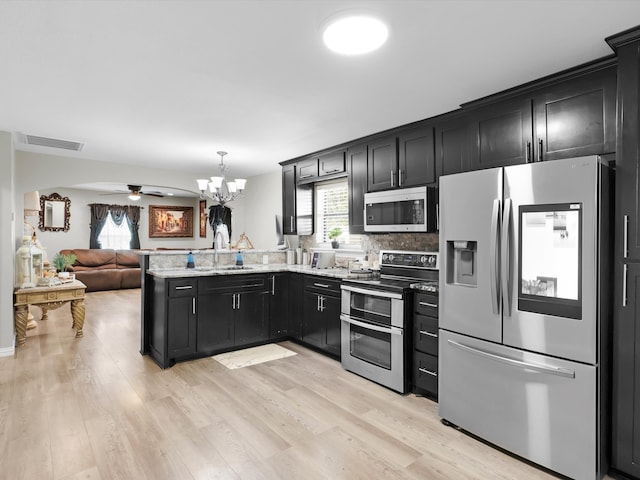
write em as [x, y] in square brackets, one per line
[105, 269]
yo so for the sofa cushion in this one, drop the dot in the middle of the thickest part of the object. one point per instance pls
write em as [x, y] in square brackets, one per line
[100, 279]
[130, 278]
[89, 258]
[127, 259]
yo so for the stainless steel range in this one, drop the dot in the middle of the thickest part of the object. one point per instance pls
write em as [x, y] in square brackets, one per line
[375, 315]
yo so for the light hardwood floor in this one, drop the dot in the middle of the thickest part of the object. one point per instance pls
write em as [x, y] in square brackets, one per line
[94, 408]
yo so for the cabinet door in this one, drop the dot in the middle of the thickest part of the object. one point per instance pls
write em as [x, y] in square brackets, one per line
[289, 199]
[452, 145]
[331, 163]
[416, 157]
[297, 305]
[181, 327]
[307, 170]
[215, 322]
[576, 117]
[501, 134]
[382, 164]
[312, 321]
[357, 167]
[279, 305]
[332, 327]
[250, 323]
[626, 375]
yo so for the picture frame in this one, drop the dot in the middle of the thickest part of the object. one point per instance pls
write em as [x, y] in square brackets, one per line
[170, 221]
[203, 219]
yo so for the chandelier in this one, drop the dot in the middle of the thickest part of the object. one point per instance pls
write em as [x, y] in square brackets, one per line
[218, 188]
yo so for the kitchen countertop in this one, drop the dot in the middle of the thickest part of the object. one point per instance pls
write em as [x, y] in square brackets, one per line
[258, 268]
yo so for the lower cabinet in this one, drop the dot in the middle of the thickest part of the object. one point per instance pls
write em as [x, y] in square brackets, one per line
[233, 311]
[425, 344]
[279, 305]
[321, 314]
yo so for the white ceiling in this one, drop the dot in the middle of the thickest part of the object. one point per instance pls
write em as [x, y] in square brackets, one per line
[169, 83]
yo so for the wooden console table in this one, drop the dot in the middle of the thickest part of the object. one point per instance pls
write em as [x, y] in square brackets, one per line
[49, 298]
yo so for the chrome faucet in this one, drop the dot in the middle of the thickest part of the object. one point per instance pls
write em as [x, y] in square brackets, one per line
[218, 243]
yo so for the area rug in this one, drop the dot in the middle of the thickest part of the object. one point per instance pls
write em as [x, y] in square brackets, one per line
[253, 356]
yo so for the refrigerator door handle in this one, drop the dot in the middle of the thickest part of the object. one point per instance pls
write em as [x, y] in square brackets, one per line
[561, 372]
[506, 255]
[494, 264]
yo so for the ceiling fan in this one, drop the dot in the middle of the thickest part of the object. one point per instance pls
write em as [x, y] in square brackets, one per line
[135, 192]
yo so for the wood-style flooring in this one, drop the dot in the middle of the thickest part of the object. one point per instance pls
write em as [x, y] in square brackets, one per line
[94, 408]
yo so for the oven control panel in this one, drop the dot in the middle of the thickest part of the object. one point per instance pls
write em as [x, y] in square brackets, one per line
[400, 258]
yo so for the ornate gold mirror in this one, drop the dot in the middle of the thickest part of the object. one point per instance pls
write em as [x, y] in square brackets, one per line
[54, 213]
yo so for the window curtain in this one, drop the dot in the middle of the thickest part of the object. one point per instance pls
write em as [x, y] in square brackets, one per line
[99, 214]
[133, 221]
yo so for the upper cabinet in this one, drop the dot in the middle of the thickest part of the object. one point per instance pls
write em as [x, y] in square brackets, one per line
[576, 117]
[571, 118]
[416, 157]
[316, 167]
[405, 159]
[297, 203]
[382, 163]
[452, 146]
[357, 168]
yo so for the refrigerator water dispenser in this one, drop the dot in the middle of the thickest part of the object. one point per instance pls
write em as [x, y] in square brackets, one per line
[462, 264]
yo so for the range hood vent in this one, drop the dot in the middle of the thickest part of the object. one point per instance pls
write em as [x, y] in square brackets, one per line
[49, 142]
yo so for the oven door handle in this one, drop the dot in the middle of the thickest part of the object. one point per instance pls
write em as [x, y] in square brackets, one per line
[369, 326]
[372, 293]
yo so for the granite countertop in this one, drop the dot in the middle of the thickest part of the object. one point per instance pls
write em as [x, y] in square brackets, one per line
[276, 267]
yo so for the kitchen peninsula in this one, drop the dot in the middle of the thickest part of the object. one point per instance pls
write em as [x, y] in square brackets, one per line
[218, 306]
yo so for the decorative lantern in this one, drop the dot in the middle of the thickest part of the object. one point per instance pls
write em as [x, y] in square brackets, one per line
[29, 264]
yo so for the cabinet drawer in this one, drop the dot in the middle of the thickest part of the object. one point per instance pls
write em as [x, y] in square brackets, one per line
[239, 282]
[322, 285]
[425, 304]
[425, 334]
[425, 372]
[184, 287]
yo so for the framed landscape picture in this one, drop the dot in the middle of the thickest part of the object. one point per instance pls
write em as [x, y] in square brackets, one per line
[203, 218]
[170, 221]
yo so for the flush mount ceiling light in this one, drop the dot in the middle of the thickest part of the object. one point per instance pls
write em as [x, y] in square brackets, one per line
[354, 33]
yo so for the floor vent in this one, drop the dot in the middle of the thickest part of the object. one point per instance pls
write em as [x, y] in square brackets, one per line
[49, 142]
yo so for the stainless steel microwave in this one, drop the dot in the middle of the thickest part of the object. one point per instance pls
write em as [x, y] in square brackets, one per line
[401, 210]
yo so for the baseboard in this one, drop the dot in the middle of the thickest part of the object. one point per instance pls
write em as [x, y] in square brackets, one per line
[8, 351]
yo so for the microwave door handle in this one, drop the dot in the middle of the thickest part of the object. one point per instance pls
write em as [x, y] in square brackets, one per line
[494, 260]
[506, 257]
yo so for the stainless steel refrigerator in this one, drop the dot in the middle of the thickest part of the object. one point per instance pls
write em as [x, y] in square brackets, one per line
[524, 310]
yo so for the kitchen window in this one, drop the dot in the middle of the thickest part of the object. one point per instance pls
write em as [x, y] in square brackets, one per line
[332, 210]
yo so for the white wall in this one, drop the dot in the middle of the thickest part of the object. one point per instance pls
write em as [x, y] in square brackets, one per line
[7, 243]
[255, 213]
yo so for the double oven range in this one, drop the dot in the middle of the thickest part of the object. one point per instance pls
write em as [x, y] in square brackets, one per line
[376, 317]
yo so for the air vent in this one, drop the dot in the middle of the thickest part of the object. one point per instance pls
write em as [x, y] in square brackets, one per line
[49, 142]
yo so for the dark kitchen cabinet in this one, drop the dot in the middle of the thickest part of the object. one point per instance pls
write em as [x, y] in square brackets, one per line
[382, 163]
[569, 118]
[234, 306]
[332, 163]
[297, 204]
[625, 451]
[307, 170]
[452, 144]
[172, 333]
[296, 289]
[321, 314]
[500, 134]
[416, 157]
[425, 344]
[279, 305]
[357, 170]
